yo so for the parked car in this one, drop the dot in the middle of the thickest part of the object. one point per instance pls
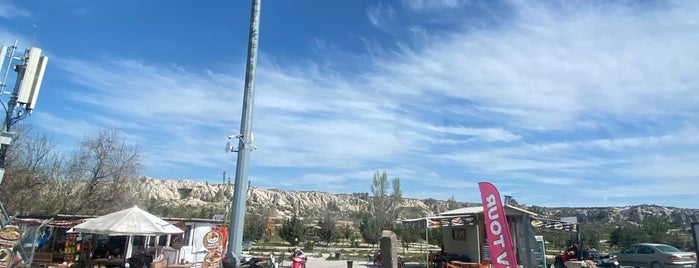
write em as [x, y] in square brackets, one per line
[656, 256]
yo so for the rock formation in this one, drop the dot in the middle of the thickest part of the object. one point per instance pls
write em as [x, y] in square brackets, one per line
[213, 198]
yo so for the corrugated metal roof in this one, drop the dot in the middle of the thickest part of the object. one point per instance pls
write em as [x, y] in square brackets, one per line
[479, 209]
[463, 211]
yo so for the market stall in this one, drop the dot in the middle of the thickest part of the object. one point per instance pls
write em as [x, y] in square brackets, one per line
[128, 223]
[465, 241]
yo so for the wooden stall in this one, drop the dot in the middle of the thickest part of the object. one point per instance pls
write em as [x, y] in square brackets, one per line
[464, 236]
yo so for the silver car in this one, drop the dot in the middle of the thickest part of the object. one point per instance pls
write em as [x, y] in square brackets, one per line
[656, 256]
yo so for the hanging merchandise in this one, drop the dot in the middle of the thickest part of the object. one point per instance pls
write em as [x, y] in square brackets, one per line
[10, 235]
[212, 242]
[72, 248]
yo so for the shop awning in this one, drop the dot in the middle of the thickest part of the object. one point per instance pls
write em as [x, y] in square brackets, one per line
[439, 221]
[53, 223]
[541, 223]
[468, 216]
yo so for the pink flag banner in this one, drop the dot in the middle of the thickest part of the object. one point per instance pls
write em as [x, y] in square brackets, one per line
[502, 252]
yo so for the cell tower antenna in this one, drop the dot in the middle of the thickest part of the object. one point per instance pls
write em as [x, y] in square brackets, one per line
[30, 73]
[9, 67]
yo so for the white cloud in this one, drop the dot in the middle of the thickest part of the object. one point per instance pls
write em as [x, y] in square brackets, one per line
[150, 92]
[429, 5]
[547, 70]
[557, 95]
[381, 16]
[10, 11]
[556, 181]
[677, 168]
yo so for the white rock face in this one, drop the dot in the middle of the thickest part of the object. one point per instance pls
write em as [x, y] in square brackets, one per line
[279, 203]
[284, 204]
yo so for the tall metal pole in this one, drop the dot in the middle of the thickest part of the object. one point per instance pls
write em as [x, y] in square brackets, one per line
[427, 238]
[235, 229]
[12, 102]
[10, 109]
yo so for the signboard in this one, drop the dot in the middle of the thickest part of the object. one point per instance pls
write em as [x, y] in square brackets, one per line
[212, 243]
[212, 259]
[6, 257]
[212, 240]
[224, 236]
[502, 252]
[177, 242]
[10, 235]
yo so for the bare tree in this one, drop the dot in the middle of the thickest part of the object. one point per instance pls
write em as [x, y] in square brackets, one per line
[33, 163]
[101, 170]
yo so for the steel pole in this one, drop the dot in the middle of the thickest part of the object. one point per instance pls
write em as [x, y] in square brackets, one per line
[235, 228]
[11, 103]
[427, 238]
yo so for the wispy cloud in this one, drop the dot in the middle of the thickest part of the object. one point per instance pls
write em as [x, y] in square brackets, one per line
[381, 16]
[10, 11]
[150, 92]
[567, 94]
[422, 5]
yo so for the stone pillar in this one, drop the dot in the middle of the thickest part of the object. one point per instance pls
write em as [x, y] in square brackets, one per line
[389, 254]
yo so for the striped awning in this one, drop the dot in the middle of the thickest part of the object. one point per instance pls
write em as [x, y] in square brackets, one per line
[540, 223]
[439, 221]
[469, 219]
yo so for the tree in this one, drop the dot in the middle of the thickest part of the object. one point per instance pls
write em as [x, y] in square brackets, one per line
[452, 204]
[590, 236]
[255, 227]
[626, 235]
[32, 165]
[100, 171]
[408, 236]
[327, 229]
[385, 208]
[258, 220]
[370, 230]
[293, 230]
[344, 231]
[395, 204]
[656, 229]
[436, 237]
[355, 239]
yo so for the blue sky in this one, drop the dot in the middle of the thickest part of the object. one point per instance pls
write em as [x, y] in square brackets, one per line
[557, 103]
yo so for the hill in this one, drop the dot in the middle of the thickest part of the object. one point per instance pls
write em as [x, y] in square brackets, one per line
[201, 199]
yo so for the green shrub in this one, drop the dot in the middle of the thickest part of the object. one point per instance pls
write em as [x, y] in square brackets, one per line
[309, 246]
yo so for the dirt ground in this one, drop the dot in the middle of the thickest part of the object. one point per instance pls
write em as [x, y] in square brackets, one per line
[314, 262]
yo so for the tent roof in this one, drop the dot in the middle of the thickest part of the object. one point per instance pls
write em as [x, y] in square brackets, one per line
[479, 210]
[463, 211]
[457, 217]
[467, 215]
[131, 221]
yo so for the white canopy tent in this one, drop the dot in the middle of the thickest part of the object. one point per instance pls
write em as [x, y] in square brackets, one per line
[131, 221]
[128, 222]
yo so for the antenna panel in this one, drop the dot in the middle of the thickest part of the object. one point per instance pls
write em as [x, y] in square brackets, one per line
[3, 52]
[32, 61]
[38, 78]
